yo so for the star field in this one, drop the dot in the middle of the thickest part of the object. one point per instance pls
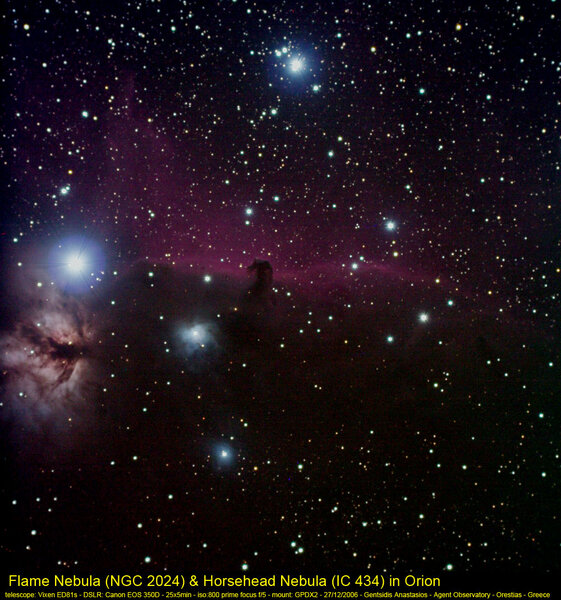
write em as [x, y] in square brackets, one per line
[380, 389]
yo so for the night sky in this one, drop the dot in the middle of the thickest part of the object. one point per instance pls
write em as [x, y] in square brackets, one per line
[389, 402]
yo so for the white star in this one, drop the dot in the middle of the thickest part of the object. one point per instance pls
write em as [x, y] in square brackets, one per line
[76, 263]
[296, 64]
[224, 454]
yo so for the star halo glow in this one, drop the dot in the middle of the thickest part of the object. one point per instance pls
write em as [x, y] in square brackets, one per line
[76, 263]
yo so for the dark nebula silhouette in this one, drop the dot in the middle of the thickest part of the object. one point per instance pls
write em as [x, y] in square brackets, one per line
[262, 287]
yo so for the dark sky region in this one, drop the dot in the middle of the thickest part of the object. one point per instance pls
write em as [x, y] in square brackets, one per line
[389, 402]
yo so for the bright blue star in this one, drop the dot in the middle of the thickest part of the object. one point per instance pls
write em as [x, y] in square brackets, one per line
[76, 263]
[195, 337]
[224, 455]
[296, 64]
[296, 68]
